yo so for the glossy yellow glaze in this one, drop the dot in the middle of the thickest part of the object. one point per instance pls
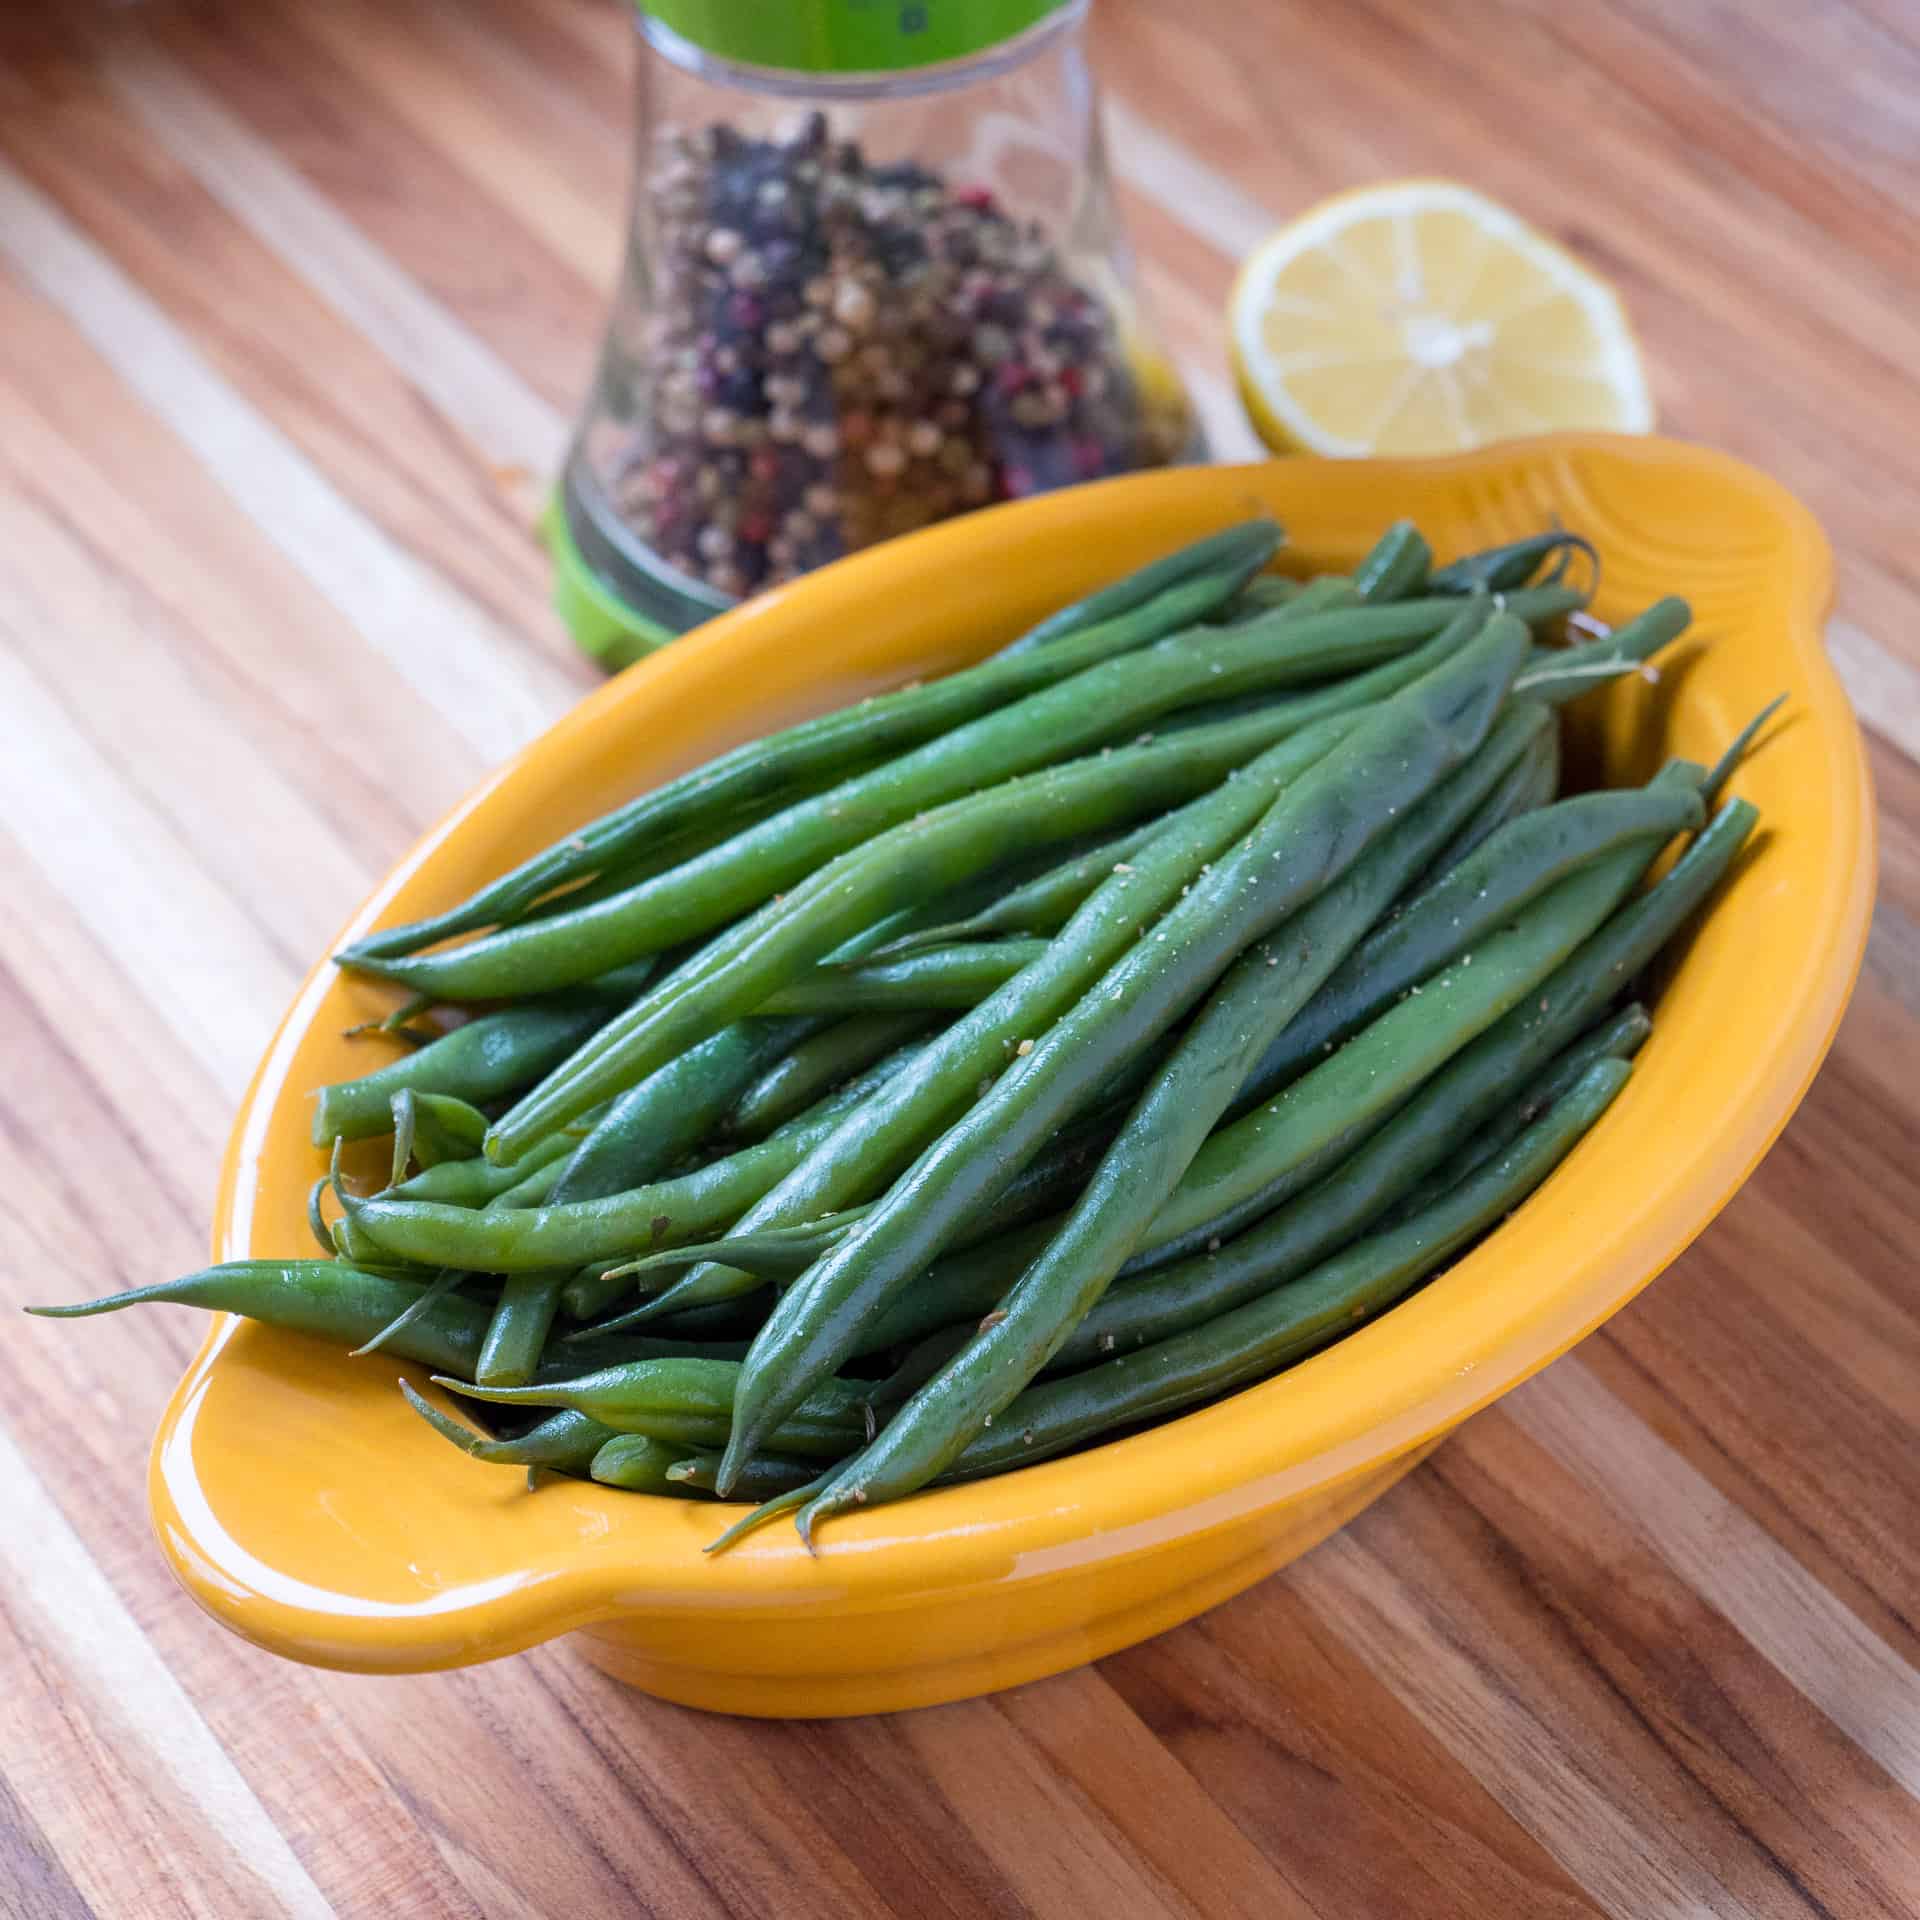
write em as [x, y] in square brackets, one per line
[303, 1505]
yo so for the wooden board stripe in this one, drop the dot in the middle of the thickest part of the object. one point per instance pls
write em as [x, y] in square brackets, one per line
[205, 968]
[1574, 1794]
[1844, 1669]
[460, 376]
[133, 1699]
[497, 696]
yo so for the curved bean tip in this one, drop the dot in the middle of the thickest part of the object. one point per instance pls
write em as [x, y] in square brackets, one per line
[823, 1506]
[511, 1396]
[340, 1193]
[765, 1511]
[449, 1429]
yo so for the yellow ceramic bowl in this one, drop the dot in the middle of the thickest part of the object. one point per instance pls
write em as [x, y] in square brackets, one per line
[301, 1503]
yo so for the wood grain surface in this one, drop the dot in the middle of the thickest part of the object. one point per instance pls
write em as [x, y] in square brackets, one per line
[295, 299]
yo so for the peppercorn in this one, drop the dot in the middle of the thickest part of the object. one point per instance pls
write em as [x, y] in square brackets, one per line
[841, 349]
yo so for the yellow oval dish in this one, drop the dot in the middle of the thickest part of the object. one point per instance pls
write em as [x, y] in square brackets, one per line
[302, 1503]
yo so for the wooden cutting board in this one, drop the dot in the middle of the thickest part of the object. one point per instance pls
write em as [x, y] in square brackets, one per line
[295, 302]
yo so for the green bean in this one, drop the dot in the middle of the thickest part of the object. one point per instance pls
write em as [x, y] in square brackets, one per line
[861, 1160]
[595, 1287]
[657, 856]
[534, 1191]
[917, 859]
[1279, 1327]
[939, 979]
[1326, 593]
[650, 1126]
[1286, 1323]
[1258, 997]
[1247, 1168]
[764, 1476]
[1052, 1179]
[765, 1511]
[1416, 1158]
[1619, 1037]
[1523, 981]
[1273, 1330]
[780, 1253]
[688, 1206]
[674, 1108]
[963, 1284]
[933, 923]
[729, 1323]
[689, 1402]
[1234, 555]
[887, 724]
[1311, 834]
[1464, 1094]
[397, 1024]
[817, 1065]
[436, 1289]
[567, 1442]
[1396, 567]
[1723, 768]
[328, 1298]
[431, 1128]
[1303, 713]
[1105, 703]
[1560, 674]
[620, 983]
[869, 1151]
[1514, 866]
[1264, 593]
[1532, 781]
[1045, 904]
[1042, 905]
[970, 835]
[970, 1283]
[517, 1333]
[1503, 569]
[619, 1350]
[638, 1464]
[923, 1361]
[472, 1183]
[495, 1054]
[976, 896]
[781, 850]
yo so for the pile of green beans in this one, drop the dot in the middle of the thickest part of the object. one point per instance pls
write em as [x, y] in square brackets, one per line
[981, 1070]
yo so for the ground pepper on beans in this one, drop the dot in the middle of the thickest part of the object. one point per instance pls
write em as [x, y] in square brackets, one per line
[841, 351]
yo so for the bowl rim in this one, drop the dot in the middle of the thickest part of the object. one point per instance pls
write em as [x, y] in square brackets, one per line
[1382, 1391]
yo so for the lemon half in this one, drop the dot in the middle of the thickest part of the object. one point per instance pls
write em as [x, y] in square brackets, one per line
[1421, 317]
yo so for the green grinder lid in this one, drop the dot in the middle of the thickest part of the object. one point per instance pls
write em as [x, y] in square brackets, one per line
[848, 36]
[614, 633]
